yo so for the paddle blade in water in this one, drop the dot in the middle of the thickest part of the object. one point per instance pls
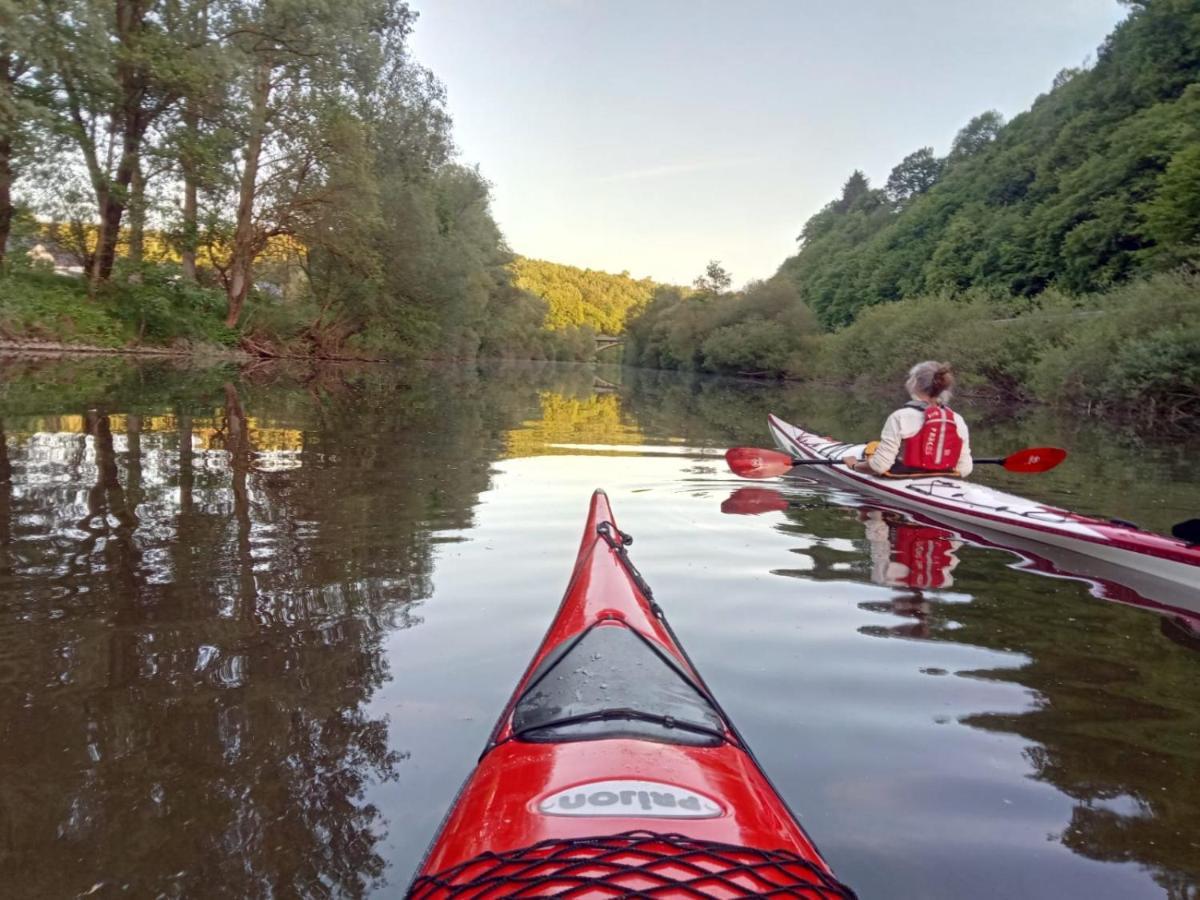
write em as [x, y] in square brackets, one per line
[749, 501]
[1035, 459]
[753, 462]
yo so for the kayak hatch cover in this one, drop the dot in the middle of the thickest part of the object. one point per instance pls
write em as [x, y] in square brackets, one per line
[957, 500]
[613, 772]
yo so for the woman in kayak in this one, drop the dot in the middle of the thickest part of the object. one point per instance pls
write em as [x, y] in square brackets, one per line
[924, 435]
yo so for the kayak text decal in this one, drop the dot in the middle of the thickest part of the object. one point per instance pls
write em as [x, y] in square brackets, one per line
[626, 797]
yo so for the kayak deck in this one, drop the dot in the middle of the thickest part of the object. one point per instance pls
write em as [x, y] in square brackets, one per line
[957, 500]
[612, 770]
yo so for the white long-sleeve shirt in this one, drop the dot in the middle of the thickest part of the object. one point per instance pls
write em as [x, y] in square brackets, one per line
[905, 423]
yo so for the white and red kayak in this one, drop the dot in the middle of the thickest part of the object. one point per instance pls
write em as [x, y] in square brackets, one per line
[612, 771]
[958, 501]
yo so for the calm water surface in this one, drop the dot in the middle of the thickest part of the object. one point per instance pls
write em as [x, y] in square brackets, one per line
[255, 628]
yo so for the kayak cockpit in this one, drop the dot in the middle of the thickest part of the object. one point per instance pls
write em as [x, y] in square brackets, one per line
[611, 681]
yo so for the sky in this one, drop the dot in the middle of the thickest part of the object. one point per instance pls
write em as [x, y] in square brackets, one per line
[651, 136]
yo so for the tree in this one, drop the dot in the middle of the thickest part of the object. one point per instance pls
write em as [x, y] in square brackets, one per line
[15, 64]
[200, 141]
[109, 72]
[583, 296]
[856, 189]
[301, 62]
[913, 175]
[976, 134]
[715, 279]
[1173, 215]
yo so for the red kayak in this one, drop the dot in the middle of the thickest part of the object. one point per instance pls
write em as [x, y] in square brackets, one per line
[613, 772]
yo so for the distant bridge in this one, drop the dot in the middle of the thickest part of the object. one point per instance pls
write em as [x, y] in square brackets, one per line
[604, 341]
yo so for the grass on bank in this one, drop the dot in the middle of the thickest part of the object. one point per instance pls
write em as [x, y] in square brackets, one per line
[157, 312]
[163, 310]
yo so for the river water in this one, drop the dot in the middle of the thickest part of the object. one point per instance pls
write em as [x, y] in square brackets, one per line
[256, 626]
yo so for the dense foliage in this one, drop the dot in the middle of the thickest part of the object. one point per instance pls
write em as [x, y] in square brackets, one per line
[290, 155]
[582, 297]
[1134, 350]
[763, 329]
[1098, 183]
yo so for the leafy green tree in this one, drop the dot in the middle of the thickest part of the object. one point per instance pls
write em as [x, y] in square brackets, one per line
[15, 116]
[578, 297]
[913, 175]
[976, 135]
[715, 279]
[108, 70]
[1173, 214]
[301, 61]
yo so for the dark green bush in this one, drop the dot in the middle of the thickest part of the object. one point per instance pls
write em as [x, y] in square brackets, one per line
[165, 307]
[1135, 350]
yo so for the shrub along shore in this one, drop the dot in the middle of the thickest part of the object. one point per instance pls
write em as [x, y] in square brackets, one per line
[1132, 352]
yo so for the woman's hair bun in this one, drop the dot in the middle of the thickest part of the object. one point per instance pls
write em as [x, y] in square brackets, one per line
[931, 379]
[942, 381]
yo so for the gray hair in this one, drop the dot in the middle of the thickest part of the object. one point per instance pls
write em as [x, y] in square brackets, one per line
[930, 379]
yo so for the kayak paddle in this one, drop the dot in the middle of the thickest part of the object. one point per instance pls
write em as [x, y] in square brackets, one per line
[1188, 532]
[754, 462]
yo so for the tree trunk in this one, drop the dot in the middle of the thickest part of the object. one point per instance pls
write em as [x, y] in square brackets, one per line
[188, 163]
[245, 240]
[131, 121]
[6, 172]
[6, 180]
[115, 197]
[6, 507]
[137, 224]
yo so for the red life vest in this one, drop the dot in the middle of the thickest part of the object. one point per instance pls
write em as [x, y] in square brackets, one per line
[936, 447]
[926, 551]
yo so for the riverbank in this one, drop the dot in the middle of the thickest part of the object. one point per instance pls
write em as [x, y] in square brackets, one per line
[42, 312]
[1131, 353]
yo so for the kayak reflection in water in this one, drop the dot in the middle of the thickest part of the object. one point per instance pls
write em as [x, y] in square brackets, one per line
[924, 435]
[905, 554]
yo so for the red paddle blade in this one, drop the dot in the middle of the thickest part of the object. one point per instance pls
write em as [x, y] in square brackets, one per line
[750, 501]
[1035, 459]
[752, 462]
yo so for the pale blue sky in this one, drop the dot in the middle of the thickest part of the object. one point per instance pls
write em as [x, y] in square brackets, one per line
[654, 135]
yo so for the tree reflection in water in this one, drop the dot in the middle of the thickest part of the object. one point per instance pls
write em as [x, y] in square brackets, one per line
[192, 604]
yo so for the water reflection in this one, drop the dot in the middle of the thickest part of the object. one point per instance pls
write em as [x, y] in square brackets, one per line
[193, 602]
[1116, 717]
[220, 637]
[909, 554]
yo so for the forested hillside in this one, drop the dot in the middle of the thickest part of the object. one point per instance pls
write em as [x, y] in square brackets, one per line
[1055, 257]
[226, 128]
[583, 296]
[1098, 183]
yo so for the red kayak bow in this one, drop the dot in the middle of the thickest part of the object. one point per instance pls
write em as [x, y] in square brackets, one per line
[613, 772]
